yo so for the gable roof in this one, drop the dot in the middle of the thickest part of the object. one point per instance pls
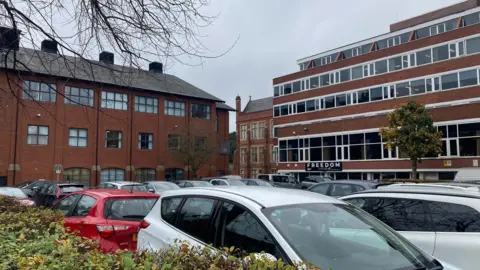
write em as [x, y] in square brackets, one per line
[224, 106]
[40, 62]
[259, 105]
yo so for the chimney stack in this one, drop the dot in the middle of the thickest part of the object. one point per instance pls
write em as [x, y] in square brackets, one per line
[49, 46]
[9, 38]
[156, 67]
[106, 57]
[238, 104]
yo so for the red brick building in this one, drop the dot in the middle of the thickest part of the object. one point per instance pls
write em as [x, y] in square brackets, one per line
[332, 109]
[256, 147]
[93, 121]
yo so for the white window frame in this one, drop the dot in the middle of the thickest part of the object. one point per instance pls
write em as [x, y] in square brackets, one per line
[118, 101]
[77, 137]
[149, 104]
[243, 132]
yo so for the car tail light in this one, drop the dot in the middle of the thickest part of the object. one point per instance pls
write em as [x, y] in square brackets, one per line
[144, 224]
[107, 231]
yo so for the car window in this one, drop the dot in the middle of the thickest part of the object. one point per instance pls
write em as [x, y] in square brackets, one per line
[450, 217]
[36, 185]
[195, 218]
[51, 190]
[242, 230]
[400, 214]
[65, 204]
[45, 187]
[83, 206]
[70, 189]
[128, 209]
[280, 179]
[222, 183]
[250, 183]
[320, 188]
[188, 184]
[170, 208]
[181, 184]
[339, 190]
[263, 177]
[357, 188]
[134, 187]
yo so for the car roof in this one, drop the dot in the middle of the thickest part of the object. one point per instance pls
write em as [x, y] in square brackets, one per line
[123, 183]
[264, 196]
[358, 182]
[112, 193]
[426, 189]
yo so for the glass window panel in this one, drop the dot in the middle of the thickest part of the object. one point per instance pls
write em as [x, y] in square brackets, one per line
[381, 67]
[424, 57]
[471, 19]
[314, 82]
[296, 86]
[373, 151]
[310, 105]
[325, 80]
[329, 102]
[440, 53]
[451, 25]
[43, 130]
[470, 147]
[395, 63]
[418, 87]
[287, 88]
[402, 89]
[376, 94]
[357, 138]
[357, 72]
[372, 137]
[469, 130]
[345, 75]
[468, 77]
[450, 81]
[473, 45]
[357, 152]
[423, 33]
[301, 107]
[363, 96]
[341, 100]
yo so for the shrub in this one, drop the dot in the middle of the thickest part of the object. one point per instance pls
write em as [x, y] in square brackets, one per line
[34, 238]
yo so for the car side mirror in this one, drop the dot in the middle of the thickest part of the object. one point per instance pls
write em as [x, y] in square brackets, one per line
[151, 190]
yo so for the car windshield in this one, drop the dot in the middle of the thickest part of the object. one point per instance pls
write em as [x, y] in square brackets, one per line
[339, 236]
[165, 186]
[13, 192]
[235, 182]
[135, 187]
[70, 189]
[263, 183]
[200, 183]
[128, 209]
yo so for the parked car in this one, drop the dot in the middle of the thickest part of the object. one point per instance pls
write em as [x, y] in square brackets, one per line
[51, 191]
[468, 175]
[160, 186]
[288, 181]
[192, 183]
[18, 194]
[133, 186]
[33, 186]
[341, 188]
[238, 177]
[110, 217]
[227, 182]
[293, 225]
[256, 182]
[443, 220]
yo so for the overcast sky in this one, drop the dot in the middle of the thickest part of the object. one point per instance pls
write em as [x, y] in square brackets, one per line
[275, 33]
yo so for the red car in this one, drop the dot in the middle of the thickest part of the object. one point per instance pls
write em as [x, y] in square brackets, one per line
[111, 217]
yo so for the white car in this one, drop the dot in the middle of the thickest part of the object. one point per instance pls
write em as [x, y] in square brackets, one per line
[293, 225]
[227, 182]
[441, 219]
[134, 186]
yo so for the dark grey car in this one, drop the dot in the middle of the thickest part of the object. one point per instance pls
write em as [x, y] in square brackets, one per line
[341, 188]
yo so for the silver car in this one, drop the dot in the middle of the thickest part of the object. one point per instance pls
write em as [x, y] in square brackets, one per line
[443, 220]
[134, 186]
[159, 187]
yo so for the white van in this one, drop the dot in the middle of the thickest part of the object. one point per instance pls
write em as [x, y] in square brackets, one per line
[468, 175]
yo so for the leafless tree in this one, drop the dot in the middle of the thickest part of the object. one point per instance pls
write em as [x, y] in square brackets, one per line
[137, 31]
[192, 150]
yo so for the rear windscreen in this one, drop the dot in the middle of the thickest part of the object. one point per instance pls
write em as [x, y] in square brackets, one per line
[135, 187]
[128, 209]
[70, 189]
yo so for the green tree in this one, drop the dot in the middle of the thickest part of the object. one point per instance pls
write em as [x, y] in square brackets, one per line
[411, 129]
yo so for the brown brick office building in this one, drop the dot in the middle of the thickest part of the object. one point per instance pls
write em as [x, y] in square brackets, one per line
[332, 109]
[107, 122]
[256, 147]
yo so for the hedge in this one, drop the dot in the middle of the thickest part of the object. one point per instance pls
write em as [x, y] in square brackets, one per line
[34, 238]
